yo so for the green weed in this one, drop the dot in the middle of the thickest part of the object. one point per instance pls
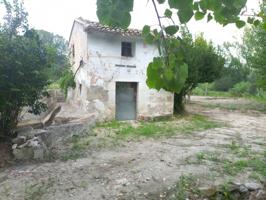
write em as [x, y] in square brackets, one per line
[256, 165]
[186, 187]
[207, 155]
[239, 150]
[36, 191]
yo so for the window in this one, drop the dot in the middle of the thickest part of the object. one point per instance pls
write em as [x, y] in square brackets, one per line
[127, 49]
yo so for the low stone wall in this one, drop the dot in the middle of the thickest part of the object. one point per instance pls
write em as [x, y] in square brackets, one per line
[35, 144]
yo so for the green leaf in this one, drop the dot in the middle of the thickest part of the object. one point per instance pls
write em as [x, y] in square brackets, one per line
[182, 75]
[147, 36]
[149, 39]
[171, 30]
[185, 15]
[154, 79]
[250, 20]
[210, 17]
[180, 4]
[240, 23]
[196, 6]
[239, 4]
[264, 25]
[168, 13]
[161, 1]
[115, 12]
[146, 30]
[199, 15]
[256, 22]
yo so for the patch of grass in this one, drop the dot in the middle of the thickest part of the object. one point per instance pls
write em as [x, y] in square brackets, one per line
[199, 123]
[256, 165]
[252, 105]
[157, 129]
[147, 130]
[219, 94]
[112, 133]
[111, 124]
[258, 99]
[207, 155]
[239, 150]
[251, 160]
[186, 188]
[36, 191]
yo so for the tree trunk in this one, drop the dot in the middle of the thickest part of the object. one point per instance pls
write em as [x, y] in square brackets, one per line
[179, 107]
[8, 122]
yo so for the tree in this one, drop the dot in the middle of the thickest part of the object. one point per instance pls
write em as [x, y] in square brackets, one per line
[254, 50]
[235, 70]
[59, 47]
[204, 61]
[23, 62]
[169, 71]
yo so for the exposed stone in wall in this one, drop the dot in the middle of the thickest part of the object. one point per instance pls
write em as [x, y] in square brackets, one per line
[97, 92]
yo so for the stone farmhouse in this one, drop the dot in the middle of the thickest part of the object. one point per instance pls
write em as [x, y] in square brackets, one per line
[110, 66]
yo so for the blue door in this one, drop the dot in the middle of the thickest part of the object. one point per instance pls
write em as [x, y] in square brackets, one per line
[126, 93]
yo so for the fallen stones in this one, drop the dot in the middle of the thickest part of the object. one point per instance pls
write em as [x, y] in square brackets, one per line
[19, 140]
[253, 186]
[28, 145]
[35, 144]
[208, 191]
[31, 149]
[29, 134]
[242, 189]
[237, 191]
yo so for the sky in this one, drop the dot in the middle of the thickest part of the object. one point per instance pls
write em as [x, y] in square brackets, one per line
[57, 16]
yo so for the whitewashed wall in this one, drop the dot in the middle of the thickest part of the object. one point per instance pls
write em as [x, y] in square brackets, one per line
[99, 74]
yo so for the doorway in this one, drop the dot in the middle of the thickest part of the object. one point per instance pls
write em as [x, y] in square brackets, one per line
[126, 100]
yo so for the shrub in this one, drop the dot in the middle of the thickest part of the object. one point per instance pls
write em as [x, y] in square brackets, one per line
[203, 89]
[241, 89]
[67, 81]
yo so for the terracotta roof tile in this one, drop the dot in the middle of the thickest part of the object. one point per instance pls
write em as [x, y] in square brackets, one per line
[89, 25]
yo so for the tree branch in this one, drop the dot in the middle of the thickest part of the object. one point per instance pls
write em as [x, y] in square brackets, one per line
[161, 26]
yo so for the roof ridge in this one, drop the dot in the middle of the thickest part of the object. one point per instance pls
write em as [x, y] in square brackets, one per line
[96, 26]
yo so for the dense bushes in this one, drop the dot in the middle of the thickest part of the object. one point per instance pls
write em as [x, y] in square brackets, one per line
[24, 61]
[67, 81]
[240, 89]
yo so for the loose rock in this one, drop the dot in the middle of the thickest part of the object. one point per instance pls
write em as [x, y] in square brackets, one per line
[253, 186]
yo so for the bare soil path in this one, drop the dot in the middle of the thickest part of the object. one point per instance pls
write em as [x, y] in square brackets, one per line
[142, 169]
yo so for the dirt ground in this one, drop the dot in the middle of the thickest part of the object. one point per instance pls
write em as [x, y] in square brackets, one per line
[142, 169]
